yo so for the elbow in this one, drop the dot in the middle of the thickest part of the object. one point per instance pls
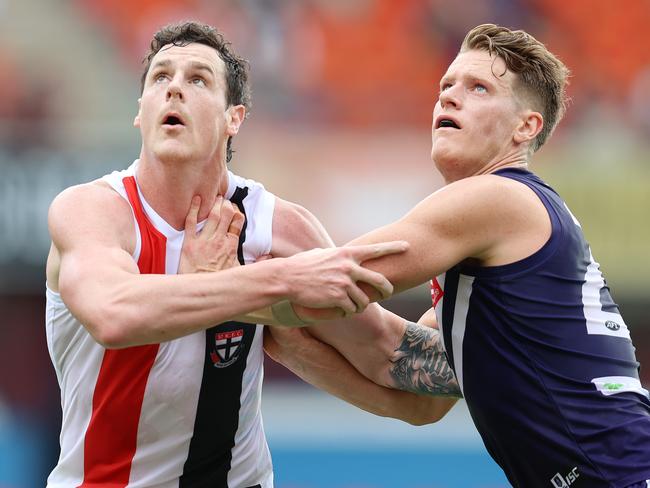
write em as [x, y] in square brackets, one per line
[430, 410]
[415, 411]
[112, 327]
[109, 338]
[111, 316]
[420, 420]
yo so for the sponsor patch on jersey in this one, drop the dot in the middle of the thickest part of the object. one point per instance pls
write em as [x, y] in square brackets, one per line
[436, 292]
[226, 347]
[611, 385]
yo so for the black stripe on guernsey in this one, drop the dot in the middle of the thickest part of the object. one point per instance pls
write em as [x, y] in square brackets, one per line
[448, 306]
[217, 416]
[238, 199]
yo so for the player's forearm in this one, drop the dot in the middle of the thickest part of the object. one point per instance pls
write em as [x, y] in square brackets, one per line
[322, 366]
[419, 364]
[393, 352]
[145, 309]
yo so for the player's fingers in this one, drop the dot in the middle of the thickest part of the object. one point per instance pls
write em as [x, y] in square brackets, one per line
[213, 218]
[377, 280]
[348, 306]
[372, 251]
[359, 298]
[190, 219]
[227, 214]
[237, 223]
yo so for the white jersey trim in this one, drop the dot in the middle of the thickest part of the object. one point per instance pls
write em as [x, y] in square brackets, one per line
[612, 385]
[598, 321]
[465, 286]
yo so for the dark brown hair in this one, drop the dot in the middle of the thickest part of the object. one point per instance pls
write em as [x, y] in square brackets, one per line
[238, 91]
[542, 76]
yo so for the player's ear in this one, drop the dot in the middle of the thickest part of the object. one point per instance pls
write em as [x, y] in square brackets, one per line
[234, 118]
[136, 120]
[530, 126]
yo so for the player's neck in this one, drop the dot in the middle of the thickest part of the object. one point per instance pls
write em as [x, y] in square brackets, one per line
[515, 158]
[169, 188]
[510, 162]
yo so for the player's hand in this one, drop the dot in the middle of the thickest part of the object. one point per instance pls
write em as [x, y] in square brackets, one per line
[329, 279]
[215, 246]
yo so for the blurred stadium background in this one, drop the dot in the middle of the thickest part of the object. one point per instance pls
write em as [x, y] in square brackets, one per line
[343, 93]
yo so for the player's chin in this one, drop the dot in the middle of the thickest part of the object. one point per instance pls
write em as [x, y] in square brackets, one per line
[442, 150]
[173, 150]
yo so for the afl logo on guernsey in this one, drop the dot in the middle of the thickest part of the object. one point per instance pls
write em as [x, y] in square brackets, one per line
[436, 292]
[227, 347]
[611, 325]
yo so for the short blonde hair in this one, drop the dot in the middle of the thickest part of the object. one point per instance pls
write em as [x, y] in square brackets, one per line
[542, 76]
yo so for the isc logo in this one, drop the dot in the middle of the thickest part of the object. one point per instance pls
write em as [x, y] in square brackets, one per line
[559, 481]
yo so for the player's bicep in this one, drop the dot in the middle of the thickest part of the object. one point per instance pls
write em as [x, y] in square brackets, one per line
[429, 253]
[92, 230]
[442, 230]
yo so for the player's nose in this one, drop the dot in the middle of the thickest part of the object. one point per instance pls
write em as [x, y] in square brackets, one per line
[174, 88]
[450, 96]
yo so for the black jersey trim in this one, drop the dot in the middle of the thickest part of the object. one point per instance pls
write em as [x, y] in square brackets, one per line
[217, 417]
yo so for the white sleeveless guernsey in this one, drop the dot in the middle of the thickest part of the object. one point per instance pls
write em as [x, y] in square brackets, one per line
[184, 413]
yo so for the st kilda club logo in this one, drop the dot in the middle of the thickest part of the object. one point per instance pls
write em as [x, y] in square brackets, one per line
[227, 346]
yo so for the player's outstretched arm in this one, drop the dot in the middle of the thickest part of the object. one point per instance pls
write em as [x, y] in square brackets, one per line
[93, 238]
[347, 358]
[324, 367]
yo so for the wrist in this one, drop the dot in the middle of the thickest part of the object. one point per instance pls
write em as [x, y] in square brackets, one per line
[280, 283]
[285, 314]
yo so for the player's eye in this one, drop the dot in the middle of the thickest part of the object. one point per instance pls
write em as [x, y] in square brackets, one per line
[160, 77]
[198, 81]
[480, 88]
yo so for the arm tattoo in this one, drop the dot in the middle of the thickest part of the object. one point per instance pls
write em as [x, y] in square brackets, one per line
[420, 364]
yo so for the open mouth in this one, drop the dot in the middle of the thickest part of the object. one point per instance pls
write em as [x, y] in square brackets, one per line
[173, 120]
[447, 123]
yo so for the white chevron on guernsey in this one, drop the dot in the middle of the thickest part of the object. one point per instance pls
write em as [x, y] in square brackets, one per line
[599, 322]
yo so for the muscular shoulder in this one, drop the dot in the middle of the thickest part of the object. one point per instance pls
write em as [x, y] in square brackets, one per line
[508, 214]
[91, 211]
[504, 202]
[492, 219]
[501, 193]
[296, 229]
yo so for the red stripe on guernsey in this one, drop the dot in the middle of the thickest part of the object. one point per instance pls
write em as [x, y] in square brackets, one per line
[111, 438]
[436, 292]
